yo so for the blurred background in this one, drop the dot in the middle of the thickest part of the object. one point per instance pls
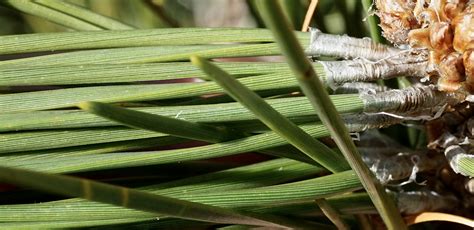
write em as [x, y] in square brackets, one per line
[343, 16]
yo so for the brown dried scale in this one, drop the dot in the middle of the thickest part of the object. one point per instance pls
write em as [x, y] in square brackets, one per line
[444, 28]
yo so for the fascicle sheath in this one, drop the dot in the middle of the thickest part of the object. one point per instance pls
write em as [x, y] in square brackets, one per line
[399, 166]
[361, 122]
[411, 202]
[322, 44]
[359, 87]
[409, 100]
[360, 70]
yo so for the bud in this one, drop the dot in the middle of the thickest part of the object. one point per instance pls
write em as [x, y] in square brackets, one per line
[443, 28]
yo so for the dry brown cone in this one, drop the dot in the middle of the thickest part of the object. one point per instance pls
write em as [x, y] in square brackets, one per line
[443, 31]
[445, 28]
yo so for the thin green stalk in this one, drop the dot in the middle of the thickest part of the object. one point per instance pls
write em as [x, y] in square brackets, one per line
[127, 159]
[70, 224]
[255, 175]
[164, 18]
[117, 146]
[146, 54]
[310, 225]
[162, 224]
[114, 73]
[374, 29]
[294, 11]
[274, 120]
[242, 199]
[332, 214]
[84, 14]
[121, 196]
[61, 98]
[30, 7]
[347, 204]
[222, 112]
[314, 90]
[352, 26]
[46, 139]
[172, 126]
[162, 124]
[250, 176]
[96, 212]
[25, 43]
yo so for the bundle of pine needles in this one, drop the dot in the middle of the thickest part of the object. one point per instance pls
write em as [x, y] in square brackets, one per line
[111, 120]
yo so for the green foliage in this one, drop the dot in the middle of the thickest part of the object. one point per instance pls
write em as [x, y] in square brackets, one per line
[104, 91]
